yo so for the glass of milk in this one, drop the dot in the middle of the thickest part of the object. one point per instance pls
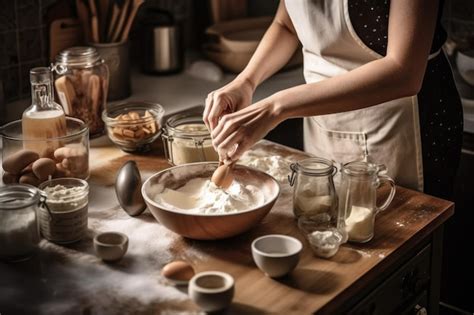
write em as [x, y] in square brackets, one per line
[358, 198]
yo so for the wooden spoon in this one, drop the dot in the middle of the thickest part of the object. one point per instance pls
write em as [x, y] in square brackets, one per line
[222, 176]
[121, 21]
[135, 6]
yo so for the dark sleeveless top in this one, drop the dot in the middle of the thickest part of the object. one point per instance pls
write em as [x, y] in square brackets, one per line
[440, 110]
[370, 21]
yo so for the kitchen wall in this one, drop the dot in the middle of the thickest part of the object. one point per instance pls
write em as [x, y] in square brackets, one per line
[23, 44]
[24, 36]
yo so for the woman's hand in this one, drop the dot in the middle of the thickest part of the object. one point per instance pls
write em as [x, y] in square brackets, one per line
[228, 99]
[236, 132]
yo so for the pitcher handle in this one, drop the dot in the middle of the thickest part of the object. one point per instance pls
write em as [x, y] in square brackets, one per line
[385, 178]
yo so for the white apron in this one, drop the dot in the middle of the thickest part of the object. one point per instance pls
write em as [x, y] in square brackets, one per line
[387, 133]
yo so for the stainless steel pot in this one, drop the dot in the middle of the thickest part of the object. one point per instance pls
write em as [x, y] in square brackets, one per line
[163, 43]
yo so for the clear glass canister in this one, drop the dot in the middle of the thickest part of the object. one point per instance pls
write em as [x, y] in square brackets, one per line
[314, 195]
[186, 139]
[19, 236]
[64, 156]
[81, 85]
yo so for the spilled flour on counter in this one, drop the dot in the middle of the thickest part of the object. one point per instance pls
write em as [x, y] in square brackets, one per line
[274, 165]
[62, 278]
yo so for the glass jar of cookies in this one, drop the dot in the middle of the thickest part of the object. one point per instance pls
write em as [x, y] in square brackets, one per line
[81, 85]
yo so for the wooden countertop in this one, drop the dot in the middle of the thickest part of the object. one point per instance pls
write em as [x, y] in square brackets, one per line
[316, 285]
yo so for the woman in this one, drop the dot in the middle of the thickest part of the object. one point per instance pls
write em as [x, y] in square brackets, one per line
[378, 87]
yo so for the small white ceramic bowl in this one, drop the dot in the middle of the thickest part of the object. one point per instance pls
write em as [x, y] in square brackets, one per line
[110, 246]
[212, 290]
[275, 254]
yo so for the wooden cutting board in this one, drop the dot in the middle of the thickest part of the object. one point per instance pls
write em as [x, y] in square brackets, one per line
[64, 33]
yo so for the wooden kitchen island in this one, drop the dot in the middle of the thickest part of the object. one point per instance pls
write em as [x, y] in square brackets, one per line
[397, 272]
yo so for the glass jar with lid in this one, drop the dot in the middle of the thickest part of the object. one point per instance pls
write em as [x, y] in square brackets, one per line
[19, 235]
[186, 139]
[81, 85]
[314, 194]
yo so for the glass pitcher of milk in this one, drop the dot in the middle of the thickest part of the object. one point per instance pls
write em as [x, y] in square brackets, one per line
[358, 198]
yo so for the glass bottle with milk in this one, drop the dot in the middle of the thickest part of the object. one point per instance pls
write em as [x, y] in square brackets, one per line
[358, 198]
[44, 121]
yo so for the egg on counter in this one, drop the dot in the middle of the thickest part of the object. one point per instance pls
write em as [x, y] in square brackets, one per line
[179, 272]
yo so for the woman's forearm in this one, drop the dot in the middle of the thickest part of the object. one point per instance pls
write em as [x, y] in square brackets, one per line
[399, 74]
[374, 83]
[274, 51]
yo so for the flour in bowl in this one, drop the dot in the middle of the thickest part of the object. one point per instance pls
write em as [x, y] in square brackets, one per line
[200, 195]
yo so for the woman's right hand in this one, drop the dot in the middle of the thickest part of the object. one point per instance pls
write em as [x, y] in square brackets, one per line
[228, 99]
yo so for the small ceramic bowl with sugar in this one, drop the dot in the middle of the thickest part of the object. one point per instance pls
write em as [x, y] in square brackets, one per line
[324, 241]
[275, 254]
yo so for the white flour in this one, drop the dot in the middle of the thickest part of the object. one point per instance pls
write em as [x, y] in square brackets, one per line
[72, 275]
[200, 195]
[274, 165]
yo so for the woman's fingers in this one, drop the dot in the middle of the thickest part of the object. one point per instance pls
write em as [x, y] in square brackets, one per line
[229, 123]
[219, 105]
[207, 109]
[240, 149]
[228, 146]
[234, 146]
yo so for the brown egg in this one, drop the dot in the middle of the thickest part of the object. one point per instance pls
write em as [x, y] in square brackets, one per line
[30, 179]
[47, 152]
[43, 168]
[27, 169]
[73, 158]
[61, 171]
[66, 163]
[70, 151]
[19, 160]
[179, 272]
[9, 178]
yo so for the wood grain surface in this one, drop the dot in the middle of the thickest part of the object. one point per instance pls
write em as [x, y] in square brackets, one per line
[316, 285]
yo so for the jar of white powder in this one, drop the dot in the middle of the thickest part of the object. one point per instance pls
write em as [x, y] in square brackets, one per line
[19, 235]
[186, 139]
[66, 220]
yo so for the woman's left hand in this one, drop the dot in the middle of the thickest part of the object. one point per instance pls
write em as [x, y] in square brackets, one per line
[237, 132]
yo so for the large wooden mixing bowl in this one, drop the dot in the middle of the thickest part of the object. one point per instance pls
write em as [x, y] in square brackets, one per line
[208, 226]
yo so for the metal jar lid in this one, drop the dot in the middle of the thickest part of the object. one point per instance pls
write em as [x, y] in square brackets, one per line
[174, 126]
[79, 57]
[18, 196]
